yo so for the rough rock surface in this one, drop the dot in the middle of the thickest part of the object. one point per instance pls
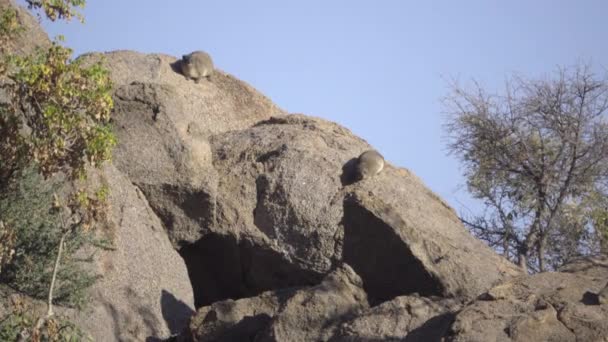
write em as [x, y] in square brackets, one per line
[163, 122]
[335, 310]
[144, 291]
[551, 306]
[257, 200]
[279, 315]
[406, 318]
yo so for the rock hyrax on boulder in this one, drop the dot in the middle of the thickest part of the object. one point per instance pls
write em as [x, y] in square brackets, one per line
[370, 163]
[197, 65]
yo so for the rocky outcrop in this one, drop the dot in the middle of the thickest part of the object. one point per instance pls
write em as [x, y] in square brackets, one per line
[225, 204]
[552, 306]
[270, 195]
[256, 200]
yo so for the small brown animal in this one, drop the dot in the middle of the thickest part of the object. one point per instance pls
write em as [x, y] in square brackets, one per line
[197, 65]
[370, 163]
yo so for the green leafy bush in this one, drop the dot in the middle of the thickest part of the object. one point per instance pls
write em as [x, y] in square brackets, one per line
[28, 206]
[65, 106]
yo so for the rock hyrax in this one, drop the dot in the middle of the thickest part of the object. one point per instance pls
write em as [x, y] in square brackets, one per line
[197, 65]
[370, 163]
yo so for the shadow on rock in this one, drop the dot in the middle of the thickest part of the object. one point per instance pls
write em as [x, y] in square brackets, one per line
[590, 298]
[381, 258]
[177, 66]
[433, 330]
[220, 267]
[175, 312]
[349, 174]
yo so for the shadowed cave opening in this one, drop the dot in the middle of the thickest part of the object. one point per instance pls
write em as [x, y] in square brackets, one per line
[220, 267]
[381, 258]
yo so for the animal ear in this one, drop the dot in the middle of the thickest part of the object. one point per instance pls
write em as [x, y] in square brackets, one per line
[185, 57]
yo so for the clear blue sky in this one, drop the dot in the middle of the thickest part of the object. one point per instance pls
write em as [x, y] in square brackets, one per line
[376, 67]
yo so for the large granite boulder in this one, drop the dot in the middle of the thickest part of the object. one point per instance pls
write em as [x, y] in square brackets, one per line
[144, 290]
[257, 200]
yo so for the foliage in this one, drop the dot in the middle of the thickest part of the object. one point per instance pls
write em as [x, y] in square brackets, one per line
[537, 156]
[21, 324]
[66, 107]
[9, 25]
[28, 205]
[7, 245]
[58, 9]
[10, 28]
[54, 122]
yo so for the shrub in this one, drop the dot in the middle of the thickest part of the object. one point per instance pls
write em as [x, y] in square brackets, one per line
[28, 206]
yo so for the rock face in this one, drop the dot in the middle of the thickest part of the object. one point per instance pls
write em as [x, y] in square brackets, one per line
[284, 189]
[144, 290]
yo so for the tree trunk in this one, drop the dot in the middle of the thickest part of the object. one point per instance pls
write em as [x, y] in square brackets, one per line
[541, 253]
[55, 269]
[505, 244]
[526, 247]
[523, 262]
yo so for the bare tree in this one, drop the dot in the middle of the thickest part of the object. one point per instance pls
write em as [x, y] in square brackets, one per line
[537, 155]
